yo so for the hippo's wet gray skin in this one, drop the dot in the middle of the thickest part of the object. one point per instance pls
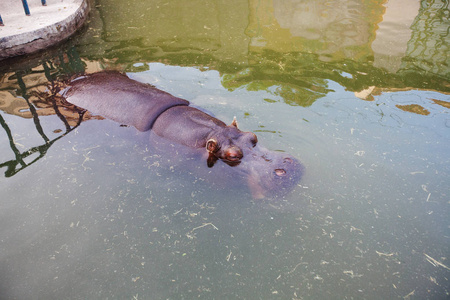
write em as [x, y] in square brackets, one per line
[117, 97]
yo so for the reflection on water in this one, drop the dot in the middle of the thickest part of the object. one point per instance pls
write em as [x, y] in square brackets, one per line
[25, 95]
[333, 29]
[429, 44]
[414, 108]
[357, 90]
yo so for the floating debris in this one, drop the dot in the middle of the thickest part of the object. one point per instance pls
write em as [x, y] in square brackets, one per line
[435, 262]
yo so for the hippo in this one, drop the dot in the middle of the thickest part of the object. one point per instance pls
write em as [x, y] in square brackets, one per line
[115, 96]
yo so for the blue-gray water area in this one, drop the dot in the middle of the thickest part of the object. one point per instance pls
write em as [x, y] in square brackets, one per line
[357, 91]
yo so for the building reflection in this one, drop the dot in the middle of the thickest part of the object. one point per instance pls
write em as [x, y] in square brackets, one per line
[333, 30]
[393, 33]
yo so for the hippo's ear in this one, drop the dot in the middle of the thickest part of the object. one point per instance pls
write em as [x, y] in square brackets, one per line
[211, 146]
[212, 159]
[234, 123]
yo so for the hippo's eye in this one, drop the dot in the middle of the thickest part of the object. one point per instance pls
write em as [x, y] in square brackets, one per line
[233, 154]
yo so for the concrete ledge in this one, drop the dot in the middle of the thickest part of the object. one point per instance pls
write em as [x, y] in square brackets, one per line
[47, 25]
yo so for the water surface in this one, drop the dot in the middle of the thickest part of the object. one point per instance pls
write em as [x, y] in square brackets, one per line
[358, 91]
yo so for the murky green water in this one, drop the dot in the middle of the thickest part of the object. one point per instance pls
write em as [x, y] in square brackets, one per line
[358, 91]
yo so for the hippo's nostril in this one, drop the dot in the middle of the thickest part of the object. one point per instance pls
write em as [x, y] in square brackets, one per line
[288, 160]
[280, 172]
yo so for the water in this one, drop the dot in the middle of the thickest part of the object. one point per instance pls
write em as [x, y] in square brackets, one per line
[358, 91]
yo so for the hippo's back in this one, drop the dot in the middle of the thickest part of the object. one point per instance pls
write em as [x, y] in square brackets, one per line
[115, 96]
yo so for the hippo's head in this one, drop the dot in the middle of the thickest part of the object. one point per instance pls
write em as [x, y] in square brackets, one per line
[267, 173]
[228, 144]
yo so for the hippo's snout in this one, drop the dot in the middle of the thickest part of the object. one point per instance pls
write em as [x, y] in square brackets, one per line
[282, 171]
[270, 173]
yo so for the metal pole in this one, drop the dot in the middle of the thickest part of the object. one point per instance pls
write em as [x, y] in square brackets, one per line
[25, 7]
